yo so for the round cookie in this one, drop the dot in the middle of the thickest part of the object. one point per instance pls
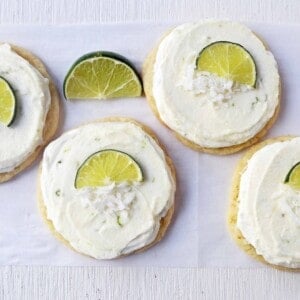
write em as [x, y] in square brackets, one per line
[52, 119]
[164, 221]
[148, 75]
[234, 202]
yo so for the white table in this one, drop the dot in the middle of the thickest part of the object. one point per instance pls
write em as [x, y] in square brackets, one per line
[141, 283]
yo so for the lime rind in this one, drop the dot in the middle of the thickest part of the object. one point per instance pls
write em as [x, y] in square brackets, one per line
[77, 184]
[13, 109]
[117, 58]
[254, 81]
[293, 177]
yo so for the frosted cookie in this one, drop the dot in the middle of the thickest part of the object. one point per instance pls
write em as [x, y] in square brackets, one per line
[29, 109]
[214, 84]
[264, 216]
[107, 188]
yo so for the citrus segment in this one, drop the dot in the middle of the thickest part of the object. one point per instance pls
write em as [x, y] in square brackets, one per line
[102, 75]
[107, 166]
[228, 60]
[293, 177]
[7, 103]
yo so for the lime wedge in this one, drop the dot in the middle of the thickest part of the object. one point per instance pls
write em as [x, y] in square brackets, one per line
[7, 103]
[228, 60]
[293, 177]
[107, 166]
[102, 75]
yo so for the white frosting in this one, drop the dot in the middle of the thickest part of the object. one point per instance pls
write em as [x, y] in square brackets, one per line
[269, 210]
[116, 219]
[19, 140]
[190, 102]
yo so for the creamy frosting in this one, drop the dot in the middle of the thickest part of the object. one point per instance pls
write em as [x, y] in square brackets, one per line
[116, 219]
[205, 109]
[269, 210]
[19, 140]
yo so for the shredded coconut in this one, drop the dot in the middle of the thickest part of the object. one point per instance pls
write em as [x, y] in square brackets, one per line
[218, 88]
[112, 199]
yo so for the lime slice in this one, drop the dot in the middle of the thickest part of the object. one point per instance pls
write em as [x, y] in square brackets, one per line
[7, 103]
[107, 166]
[228, 60]
[102, 75]
[293, 177]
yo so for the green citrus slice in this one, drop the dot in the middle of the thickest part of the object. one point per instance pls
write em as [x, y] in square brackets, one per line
[293, 177]
[107, 166]
[7, 103]
[228, 60]
[102, 75]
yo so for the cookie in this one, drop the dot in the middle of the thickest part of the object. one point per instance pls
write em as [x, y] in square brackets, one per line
[167, 197]
[52, 119]
[250, 160]
[196, 118]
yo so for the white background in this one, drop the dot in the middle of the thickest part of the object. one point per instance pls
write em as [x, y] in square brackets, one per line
[151, 282]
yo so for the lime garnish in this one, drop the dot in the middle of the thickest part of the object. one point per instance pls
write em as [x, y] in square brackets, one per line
[293, 177]
[107, 166]
[102, 75]
[228, 60]
[7, 103]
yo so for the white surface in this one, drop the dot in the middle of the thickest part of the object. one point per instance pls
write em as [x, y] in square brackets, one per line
[99, 11]
[146, 283]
